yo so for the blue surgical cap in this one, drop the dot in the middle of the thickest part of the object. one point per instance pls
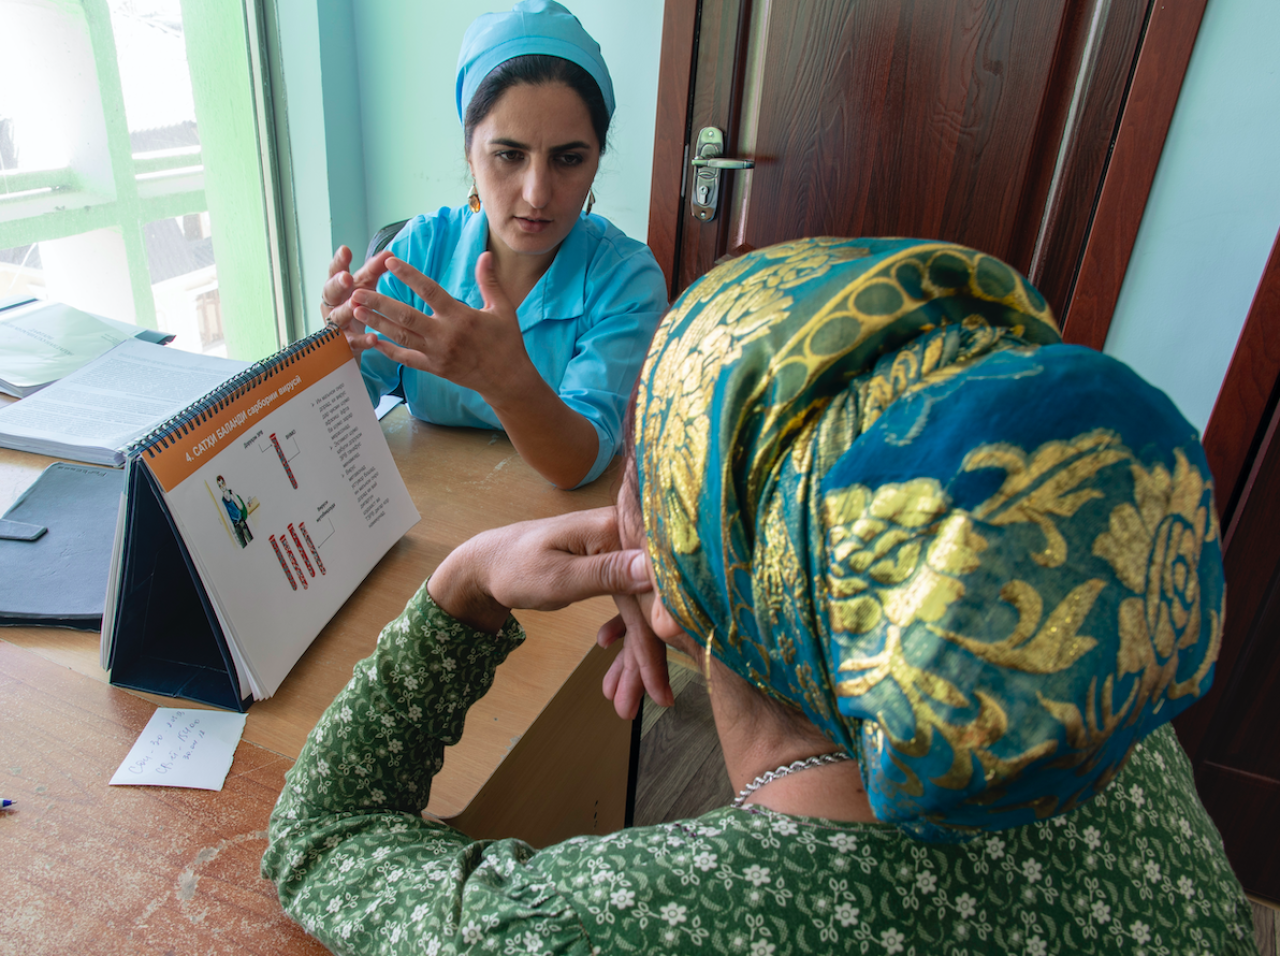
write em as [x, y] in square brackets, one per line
[533, 27]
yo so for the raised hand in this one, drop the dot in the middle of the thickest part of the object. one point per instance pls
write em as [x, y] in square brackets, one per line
[641, 666]
[480, 349]
[335, 298]
[542, 565]
[484, 350]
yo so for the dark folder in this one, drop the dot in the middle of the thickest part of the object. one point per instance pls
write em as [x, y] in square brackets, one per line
[58, 576]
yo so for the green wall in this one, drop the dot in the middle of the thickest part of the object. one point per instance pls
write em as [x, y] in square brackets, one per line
[301, 97]
[344, 133]
[222, 86]
[413, 140]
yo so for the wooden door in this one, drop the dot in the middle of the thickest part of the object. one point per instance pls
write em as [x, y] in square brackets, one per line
[1237, 759]
[1233, 734]
[1030, 129]
[983, 122]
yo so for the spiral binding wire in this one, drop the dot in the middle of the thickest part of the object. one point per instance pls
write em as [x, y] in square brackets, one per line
[240, 384]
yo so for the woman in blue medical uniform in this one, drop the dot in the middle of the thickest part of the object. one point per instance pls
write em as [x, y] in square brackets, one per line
[520, 310]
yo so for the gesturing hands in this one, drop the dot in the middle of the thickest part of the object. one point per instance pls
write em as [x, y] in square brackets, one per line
[547, 564]
[335, 298]
[480, 349]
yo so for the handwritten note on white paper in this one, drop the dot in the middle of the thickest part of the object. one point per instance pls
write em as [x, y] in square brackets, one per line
[183, 748]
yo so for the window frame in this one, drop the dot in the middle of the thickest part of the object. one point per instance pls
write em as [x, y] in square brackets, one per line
[234, 176]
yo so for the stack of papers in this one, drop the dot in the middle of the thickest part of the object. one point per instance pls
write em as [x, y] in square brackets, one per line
[96, 412]
[43, 344]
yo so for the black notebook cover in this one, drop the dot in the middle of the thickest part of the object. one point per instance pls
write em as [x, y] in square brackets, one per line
[58, 578]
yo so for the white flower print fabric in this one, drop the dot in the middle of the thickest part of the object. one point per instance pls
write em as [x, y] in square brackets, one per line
[1139, 869]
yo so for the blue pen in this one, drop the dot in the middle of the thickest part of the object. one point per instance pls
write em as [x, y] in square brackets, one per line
[5, 804]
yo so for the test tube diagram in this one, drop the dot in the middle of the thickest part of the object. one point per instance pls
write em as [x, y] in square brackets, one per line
[305, 560]
[283, 567]
[289, 556]
[294, 561]
[284, 461]
[315, 553]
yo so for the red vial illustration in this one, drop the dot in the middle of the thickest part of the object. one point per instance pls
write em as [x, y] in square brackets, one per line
[310, 544]
[301, 553]
[294, 561]
[284, 461]
[283, 567]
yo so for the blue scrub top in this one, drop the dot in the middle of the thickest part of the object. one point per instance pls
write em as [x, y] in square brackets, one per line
[587, 323]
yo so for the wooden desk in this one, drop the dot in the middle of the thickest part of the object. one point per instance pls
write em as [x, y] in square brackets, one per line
[543, 756]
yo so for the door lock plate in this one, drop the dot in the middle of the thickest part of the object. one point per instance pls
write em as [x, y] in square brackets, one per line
[708, 163]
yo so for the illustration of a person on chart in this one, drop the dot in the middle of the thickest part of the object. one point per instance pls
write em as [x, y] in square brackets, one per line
[237, 511]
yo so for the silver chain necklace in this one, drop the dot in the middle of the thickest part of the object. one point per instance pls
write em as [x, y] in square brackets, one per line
[771, 775]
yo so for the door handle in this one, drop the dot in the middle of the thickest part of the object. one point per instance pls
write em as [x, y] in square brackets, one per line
[726, 163]
[708, 161]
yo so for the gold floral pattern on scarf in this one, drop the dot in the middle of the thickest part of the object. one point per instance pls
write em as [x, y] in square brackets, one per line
[731, 308]
[898, 555]
[861, 488]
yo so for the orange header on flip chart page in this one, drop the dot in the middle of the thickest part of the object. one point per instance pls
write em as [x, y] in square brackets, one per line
[195, 442]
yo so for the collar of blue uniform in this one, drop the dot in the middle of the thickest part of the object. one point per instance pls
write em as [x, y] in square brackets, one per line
[878, 486]
[559, 294]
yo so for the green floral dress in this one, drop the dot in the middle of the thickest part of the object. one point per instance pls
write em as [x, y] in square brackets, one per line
[1139, 870]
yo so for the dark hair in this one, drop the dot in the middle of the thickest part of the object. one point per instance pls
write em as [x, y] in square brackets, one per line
[536, 70]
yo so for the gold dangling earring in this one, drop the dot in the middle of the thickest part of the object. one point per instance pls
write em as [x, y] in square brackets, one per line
[591, 201]
[473, 199]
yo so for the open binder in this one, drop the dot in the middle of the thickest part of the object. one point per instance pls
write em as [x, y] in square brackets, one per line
[245, 523]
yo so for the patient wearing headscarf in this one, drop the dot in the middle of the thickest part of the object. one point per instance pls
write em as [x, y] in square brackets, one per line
[985, 568]
[897, 521]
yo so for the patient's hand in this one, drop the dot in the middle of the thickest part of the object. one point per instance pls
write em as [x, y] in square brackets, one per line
[641, 666]
[543, 565]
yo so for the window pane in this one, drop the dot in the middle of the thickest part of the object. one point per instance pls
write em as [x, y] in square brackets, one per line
[131, 151]
[154, 78]
[184, 282]
[21, 272]
[87, 270]
[50, 115]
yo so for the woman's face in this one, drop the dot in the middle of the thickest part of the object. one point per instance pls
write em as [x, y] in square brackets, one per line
[534, 158]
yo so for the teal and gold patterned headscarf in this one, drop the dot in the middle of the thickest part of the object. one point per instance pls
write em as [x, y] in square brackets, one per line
[878, 486]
